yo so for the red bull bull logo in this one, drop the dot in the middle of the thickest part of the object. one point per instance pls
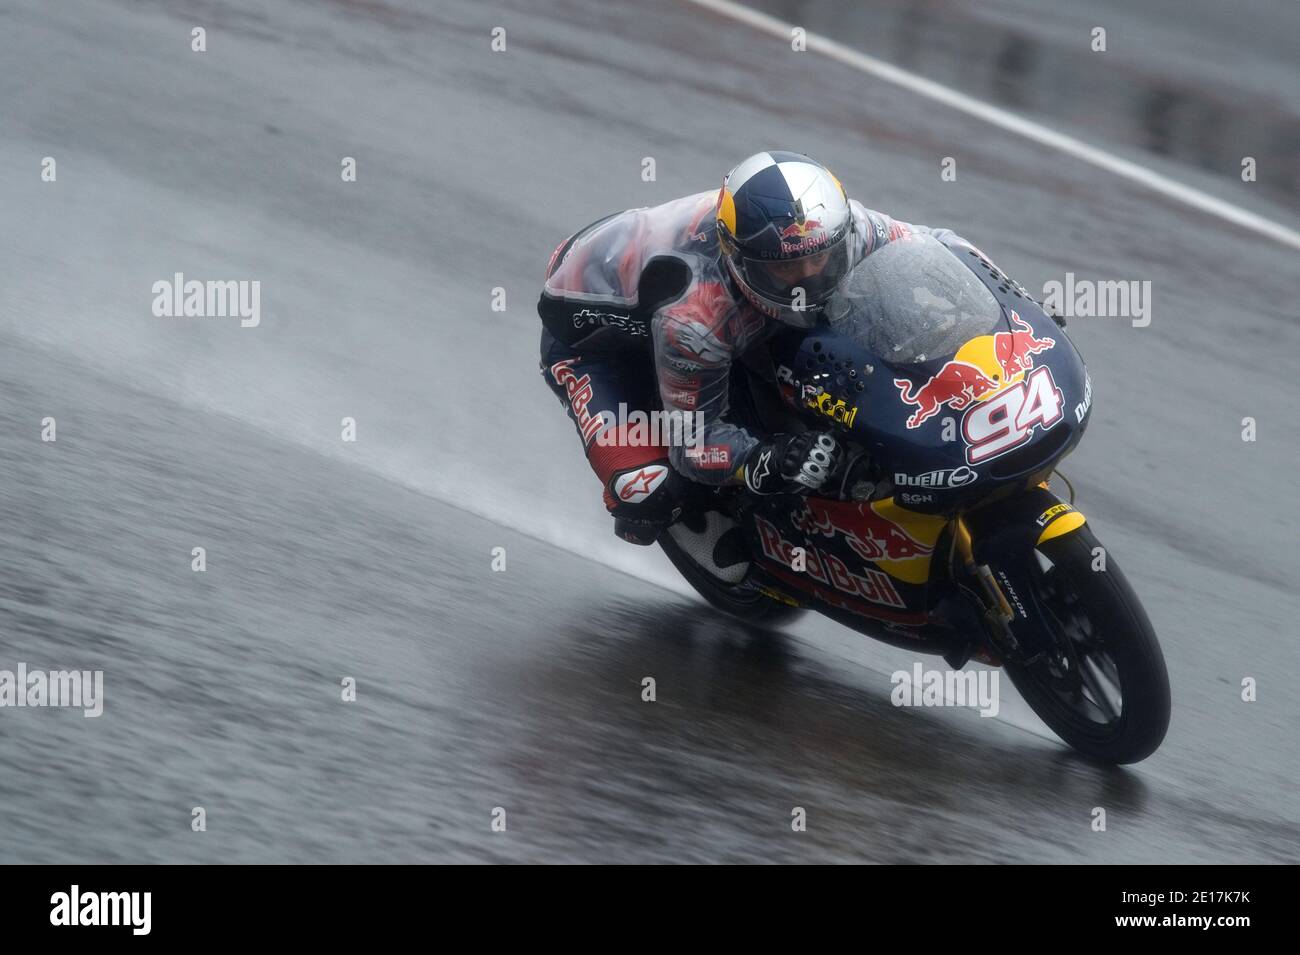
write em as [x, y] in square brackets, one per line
[992, 381]
[981, 368]
[868, 535]
[802, 236]
[1015, 349]
[955, 385]
[800, 229]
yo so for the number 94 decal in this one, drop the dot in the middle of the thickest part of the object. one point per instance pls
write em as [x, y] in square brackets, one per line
[1007, 420]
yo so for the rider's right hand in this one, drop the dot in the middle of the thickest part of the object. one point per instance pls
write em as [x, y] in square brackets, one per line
[792, 463]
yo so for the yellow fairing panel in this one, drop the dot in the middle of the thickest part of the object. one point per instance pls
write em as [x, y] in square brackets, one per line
[924, 529]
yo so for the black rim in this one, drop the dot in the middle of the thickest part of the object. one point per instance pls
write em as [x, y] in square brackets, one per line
[1080, 674]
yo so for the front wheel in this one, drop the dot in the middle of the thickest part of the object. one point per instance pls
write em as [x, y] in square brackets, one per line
[1103, 687]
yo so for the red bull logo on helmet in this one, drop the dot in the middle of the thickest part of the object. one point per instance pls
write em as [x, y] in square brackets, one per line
[800, 229]
[802, 236]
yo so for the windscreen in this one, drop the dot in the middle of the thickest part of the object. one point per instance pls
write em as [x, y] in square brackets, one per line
[913, 301]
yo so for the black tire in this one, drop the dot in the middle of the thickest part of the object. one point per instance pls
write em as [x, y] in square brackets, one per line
[743, 603]
[1118, 645]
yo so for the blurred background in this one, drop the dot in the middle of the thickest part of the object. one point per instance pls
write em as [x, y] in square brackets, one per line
[372, 559]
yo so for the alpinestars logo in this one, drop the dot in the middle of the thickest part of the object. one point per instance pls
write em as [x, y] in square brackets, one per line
[761, 468]
[636, 485]
[590, 317]
[698, 341]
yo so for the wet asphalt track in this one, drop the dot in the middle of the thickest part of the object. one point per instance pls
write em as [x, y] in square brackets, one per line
[371, 560]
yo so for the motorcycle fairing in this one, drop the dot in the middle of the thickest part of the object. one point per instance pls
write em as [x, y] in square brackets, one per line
[874, 559]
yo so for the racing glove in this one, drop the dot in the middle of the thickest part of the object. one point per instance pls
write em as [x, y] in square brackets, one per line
[792, 463]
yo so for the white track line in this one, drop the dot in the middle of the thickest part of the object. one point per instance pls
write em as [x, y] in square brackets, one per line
[1009, 121]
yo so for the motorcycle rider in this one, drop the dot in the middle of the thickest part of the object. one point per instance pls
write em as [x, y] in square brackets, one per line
[661, 301]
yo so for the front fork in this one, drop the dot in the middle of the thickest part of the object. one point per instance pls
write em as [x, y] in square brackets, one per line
[997, 611]
[995, 546]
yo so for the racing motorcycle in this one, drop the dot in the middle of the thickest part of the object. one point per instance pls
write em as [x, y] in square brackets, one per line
[955, 397]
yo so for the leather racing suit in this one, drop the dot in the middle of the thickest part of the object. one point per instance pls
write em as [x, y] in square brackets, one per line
[638, 312]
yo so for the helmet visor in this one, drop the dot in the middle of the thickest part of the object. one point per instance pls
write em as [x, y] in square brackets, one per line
[807, 280]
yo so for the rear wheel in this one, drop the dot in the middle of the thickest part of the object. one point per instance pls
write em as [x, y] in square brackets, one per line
[738, 599]
[1103, 688]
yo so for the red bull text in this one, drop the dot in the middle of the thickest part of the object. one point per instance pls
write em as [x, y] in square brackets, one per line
[827, 569]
